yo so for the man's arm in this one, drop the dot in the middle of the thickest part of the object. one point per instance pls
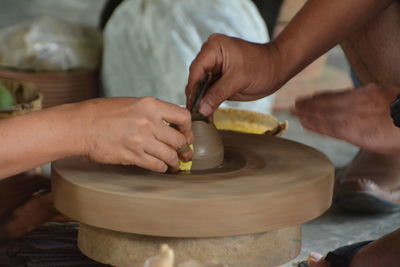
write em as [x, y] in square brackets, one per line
[319, 26]
[251, 71]
[130, 131]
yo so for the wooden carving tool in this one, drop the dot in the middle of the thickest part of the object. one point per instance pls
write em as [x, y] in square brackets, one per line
[199, 94]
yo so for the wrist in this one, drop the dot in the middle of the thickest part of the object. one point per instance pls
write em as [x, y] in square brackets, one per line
[278, 62]
[293, 57]
[73, 128]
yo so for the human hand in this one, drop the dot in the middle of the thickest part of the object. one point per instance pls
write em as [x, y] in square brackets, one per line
[35, 212]
[360, 116]
[24, 204]
[248, 71]
[132, 131]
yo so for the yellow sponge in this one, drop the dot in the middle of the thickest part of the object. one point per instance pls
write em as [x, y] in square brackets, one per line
[186, 166]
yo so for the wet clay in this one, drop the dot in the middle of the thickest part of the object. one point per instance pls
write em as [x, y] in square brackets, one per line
[208, 146]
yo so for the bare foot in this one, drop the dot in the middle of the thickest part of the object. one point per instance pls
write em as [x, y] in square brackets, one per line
[360, 116]
[370, 183]
[382, 252]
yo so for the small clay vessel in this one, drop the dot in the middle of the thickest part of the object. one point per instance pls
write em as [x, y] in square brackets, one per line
[208, 147]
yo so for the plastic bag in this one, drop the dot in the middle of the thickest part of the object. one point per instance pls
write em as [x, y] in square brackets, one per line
[50, 44]
[149, 45]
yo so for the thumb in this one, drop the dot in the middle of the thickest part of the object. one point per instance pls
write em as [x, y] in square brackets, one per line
[220, 91]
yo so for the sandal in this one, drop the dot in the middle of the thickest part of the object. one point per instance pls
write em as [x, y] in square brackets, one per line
[342, 256]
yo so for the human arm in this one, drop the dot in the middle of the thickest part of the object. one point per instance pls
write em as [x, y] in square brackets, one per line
[116, 130]
[251, 71]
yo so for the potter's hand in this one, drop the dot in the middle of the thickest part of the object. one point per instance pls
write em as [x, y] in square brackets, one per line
[132, 131]
[248, 71]
[360, 116]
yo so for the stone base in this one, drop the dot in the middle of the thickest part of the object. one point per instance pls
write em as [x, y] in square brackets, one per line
[255, 250]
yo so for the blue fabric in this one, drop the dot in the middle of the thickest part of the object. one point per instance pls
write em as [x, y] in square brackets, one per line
[354, 78]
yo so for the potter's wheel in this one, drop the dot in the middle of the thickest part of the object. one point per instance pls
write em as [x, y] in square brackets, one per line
[266, 183]
[248, 212]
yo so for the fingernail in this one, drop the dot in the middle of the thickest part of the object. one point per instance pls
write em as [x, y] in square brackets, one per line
[183, 149]
[186, 157]
[205, 109]
[185, 153]
[314, 257]
[163, 168]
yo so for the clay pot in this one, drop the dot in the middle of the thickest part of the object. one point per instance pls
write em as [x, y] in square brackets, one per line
[58, 87]
[208, 147]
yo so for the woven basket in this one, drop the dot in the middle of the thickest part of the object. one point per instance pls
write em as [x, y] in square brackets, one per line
[27, 98]
[58, 87]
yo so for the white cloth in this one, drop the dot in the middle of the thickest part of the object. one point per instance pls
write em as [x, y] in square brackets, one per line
[149, 44]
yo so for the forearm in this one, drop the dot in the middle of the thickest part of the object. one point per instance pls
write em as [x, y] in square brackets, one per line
[36, 138]
[319, 26]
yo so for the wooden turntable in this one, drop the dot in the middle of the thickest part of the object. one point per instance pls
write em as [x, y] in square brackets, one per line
[246, 213]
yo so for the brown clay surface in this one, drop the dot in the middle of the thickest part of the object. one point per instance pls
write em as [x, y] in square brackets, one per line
[255, 250]
[265, 183]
